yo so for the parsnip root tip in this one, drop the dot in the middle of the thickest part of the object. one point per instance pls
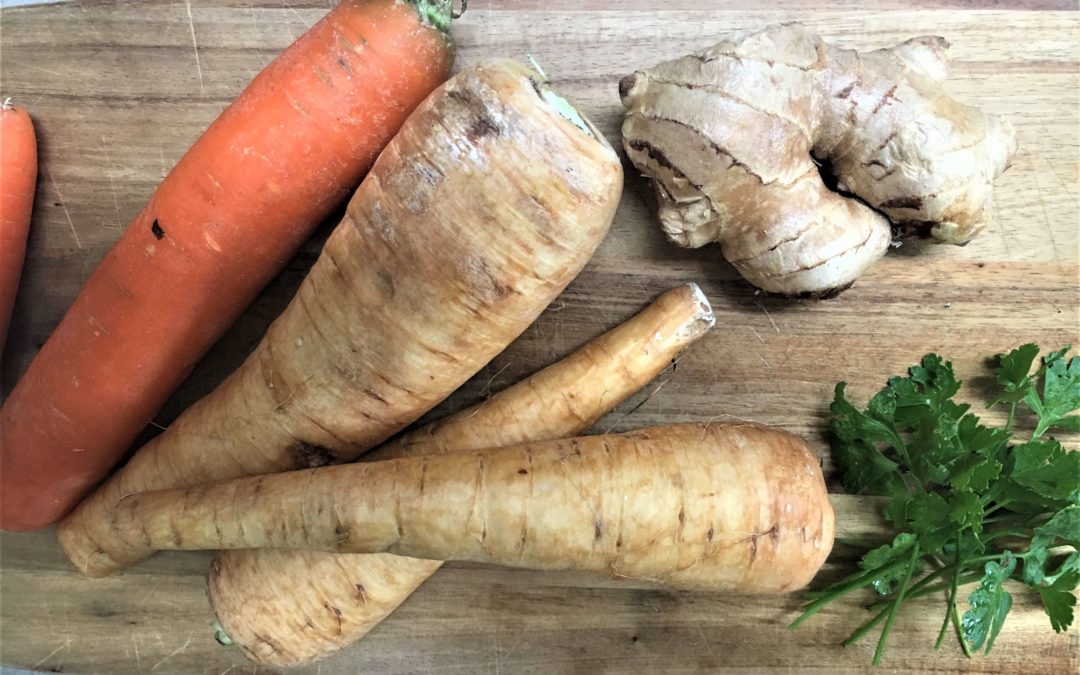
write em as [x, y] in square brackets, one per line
[705, 311]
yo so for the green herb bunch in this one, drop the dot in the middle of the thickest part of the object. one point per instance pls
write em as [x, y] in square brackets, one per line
[971, 503]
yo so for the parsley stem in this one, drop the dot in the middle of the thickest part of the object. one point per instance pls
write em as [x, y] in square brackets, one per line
[1014, 517]
[864, 575]
[1008, 516]
[1012, 414]
[949, 605]
[924, 587]
[950, 610]
[960, 631]
[896, 604]
[883, 611]
[882, 608]
[916, 589]
[990, 496]
[975, 576]
[1041, 427]
[1011, 532]
[922, 583]
[915, 592]
[841, 589]
[857, 543]
[958, 565]
[862, 630]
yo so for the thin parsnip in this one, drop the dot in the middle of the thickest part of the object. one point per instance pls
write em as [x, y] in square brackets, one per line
[720, 507]
[566, 398]
[291, 607]
[479, 212]
[222, 223]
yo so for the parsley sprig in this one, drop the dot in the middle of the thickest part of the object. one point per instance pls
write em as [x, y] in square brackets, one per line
[971, 503]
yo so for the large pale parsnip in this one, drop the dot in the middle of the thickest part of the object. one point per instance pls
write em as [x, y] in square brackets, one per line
[732, 138]
[719, 507]
[285, 607]
[477, 214]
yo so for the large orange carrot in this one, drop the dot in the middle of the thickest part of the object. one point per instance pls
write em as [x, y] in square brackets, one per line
[18, 177]
[476, 215]
[721, 506]
[220, 225]
[290, 607]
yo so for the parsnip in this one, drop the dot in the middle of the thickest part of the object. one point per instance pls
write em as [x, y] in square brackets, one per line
[734, 507]
[285, 607]
[475, 216]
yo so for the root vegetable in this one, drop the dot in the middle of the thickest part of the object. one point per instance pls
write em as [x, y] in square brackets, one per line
[219, 227]
[18, 179]
[477, 214]
[284, 607]
[732, 137]
[720, 507]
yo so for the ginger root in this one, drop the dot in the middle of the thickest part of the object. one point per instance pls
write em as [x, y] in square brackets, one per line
[733, 138]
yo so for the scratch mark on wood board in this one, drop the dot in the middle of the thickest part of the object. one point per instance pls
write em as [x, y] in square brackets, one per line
[173, 653]
[195, 45]
[66, 645]
[59, 196]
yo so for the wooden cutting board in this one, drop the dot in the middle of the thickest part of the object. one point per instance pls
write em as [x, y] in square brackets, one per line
[119, 90]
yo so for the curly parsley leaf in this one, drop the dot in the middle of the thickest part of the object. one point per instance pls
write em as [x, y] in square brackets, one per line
[974, 438]
[935, 379]
[1067, 423]
[1060, 392]
[1063, 527]
[1055, 587]
[1070, 565]
[1048, 470]
[898, 508]
[974, 473]
[864, 468]
[966, 511]
[990, 604]
[1059, 600]
[1012, 373]
[929, 517]
[899, 549]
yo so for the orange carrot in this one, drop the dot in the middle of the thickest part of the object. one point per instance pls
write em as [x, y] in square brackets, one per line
[18, 176]
[221, 224]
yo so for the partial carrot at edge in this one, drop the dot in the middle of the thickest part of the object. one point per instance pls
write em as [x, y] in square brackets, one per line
[18, 179]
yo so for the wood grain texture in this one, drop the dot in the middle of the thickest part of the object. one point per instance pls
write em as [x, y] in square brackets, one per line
[119, 90]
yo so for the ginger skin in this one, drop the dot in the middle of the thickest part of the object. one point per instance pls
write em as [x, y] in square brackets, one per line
[732, 138]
